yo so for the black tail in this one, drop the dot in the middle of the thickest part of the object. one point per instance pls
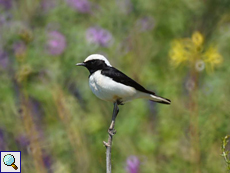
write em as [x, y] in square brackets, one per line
[158, 99]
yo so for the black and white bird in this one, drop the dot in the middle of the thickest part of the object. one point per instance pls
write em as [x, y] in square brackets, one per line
[110, 84]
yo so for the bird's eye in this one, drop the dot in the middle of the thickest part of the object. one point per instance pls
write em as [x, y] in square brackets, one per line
[92, 62]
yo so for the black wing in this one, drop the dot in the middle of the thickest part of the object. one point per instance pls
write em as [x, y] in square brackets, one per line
[120, 77]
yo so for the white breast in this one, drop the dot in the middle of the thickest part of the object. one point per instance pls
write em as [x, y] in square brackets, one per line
[107, 89]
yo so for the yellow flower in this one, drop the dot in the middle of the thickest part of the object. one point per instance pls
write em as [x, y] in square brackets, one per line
[180, 51]
[176, 53]
[197, 38]
[190, 50]
[212, 57]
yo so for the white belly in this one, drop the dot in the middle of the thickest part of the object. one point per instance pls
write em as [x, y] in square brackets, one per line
[107, 89]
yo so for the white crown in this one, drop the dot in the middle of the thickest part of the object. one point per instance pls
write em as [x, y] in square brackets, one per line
[98, 57]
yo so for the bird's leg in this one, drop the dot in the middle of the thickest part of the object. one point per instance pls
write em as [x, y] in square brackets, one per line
[111, 130]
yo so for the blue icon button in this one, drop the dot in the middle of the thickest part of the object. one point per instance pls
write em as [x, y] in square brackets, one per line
[9, 160]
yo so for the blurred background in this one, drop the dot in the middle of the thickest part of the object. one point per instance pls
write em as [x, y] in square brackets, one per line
[179, 49]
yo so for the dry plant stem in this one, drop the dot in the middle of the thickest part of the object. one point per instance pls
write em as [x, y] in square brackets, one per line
[111, 132]
[194, 125]
[74, 135]
[35, 146]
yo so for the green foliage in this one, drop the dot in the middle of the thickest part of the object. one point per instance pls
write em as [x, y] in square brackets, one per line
[48, 112]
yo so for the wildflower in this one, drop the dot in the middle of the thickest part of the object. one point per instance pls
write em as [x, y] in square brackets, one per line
[179, 52]
[4, 59]
[212, 57]
[22, 141]
[46, 5]
[197, 38]
[47, 160]
[36, 110]
[145, 24]
[83, 6]
[99, 36]
[7, 4]
[5, 18]
[133, 164]
[2, 20]
[56, 43]
[191, 50]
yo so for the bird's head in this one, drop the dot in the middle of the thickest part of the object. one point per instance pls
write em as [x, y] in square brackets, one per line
[95, 62]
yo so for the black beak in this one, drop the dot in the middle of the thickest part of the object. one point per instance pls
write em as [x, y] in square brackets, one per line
[80, 64]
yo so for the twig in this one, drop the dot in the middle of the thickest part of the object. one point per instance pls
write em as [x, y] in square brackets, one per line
[225, 152]
[111, 132]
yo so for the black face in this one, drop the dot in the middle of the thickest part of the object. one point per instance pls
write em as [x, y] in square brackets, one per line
[94, 65]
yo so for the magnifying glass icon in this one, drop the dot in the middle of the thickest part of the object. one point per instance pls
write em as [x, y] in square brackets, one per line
[9, 160]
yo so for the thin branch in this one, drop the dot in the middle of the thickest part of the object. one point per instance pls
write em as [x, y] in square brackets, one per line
[111, 132]
[225, 152]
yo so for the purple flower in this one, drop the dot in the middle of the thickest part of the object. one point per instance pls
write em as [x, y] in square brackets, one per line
[48, 4]
[4, 59]
[2, 20]
[132, 164]
[47, 160]
[145, 23]
[5, 18]
[37, 113]
[83, 6]
[56, 43]
[6, 3]
[99, 36]
[22, 141]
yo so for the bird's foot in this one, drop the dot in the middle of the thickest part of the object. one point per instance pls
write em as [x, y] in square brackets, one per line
[106, 144]
[112, 132]
[119, 102]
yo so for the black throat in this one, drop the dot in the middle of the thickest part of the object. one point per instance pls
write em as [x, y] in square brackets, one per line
[94, 65]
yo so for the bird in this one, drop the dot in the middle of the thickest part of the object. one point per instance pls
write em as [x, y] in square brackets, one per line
[110, 84]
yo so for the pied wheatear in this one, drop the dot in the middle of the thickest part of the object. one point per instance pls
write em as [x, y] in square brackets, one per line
[110, 84]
